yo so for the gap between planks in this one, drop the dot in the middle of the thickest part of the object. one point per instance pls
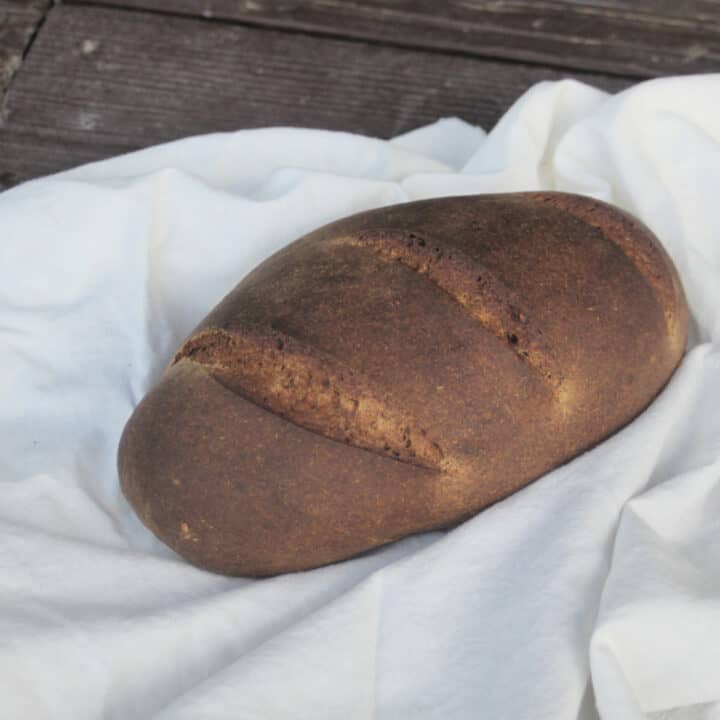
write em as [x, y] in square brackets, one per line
[20, 21]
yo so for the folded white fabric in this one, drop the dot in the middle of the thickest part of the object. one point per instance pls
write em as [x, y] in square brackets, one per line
[593, 592]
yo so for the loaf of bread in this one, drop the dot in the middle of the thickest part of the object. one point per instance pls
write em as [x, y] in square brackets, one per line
[398, 371]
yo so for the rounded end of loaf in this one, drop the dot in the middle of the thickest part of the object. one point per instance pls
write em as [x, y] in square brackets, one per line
[644, 250]
[233, 488]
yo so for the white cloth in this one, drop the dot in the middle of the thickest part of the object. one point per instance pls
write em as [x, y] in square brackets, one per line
[594, 591]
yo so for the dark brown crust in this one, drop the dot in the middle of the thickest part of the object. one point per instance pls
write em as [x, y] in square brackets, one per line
[638, 243]
[311, 389]
[363, 384]
[474, 287]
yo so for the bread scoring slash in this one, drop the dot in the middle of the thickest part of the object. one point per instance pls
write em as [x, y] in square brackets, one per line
[398, 371]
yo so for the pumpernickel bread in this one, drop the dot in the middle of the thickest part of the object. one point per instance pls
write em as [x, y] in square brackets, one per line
[398, 371]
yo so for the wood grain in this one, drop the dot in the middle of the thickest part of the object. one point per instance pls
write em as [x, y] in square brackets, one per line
[102, 81]
[18, 21]
[640, 38]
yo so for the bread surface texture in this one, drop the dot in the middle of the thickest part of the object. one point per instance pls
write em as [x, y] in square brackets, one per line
[398, 371]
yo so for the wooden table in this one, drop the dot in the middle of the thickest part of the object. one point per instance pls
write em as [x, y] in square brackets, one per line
[87, 79]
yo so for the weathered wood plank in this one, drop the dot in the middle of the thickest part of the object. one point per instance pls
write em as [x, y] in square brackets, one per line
[18, 21]
[640, 38]
[98, 82]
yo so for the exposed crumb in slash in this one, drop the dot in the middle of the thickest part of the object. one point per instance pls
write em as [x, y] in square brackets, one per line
[176, 482]
[312, 390]
[482, 295]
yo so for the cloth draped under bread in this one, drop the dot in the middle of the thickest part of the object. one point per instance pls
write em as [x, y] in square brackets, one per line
[593, 592]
